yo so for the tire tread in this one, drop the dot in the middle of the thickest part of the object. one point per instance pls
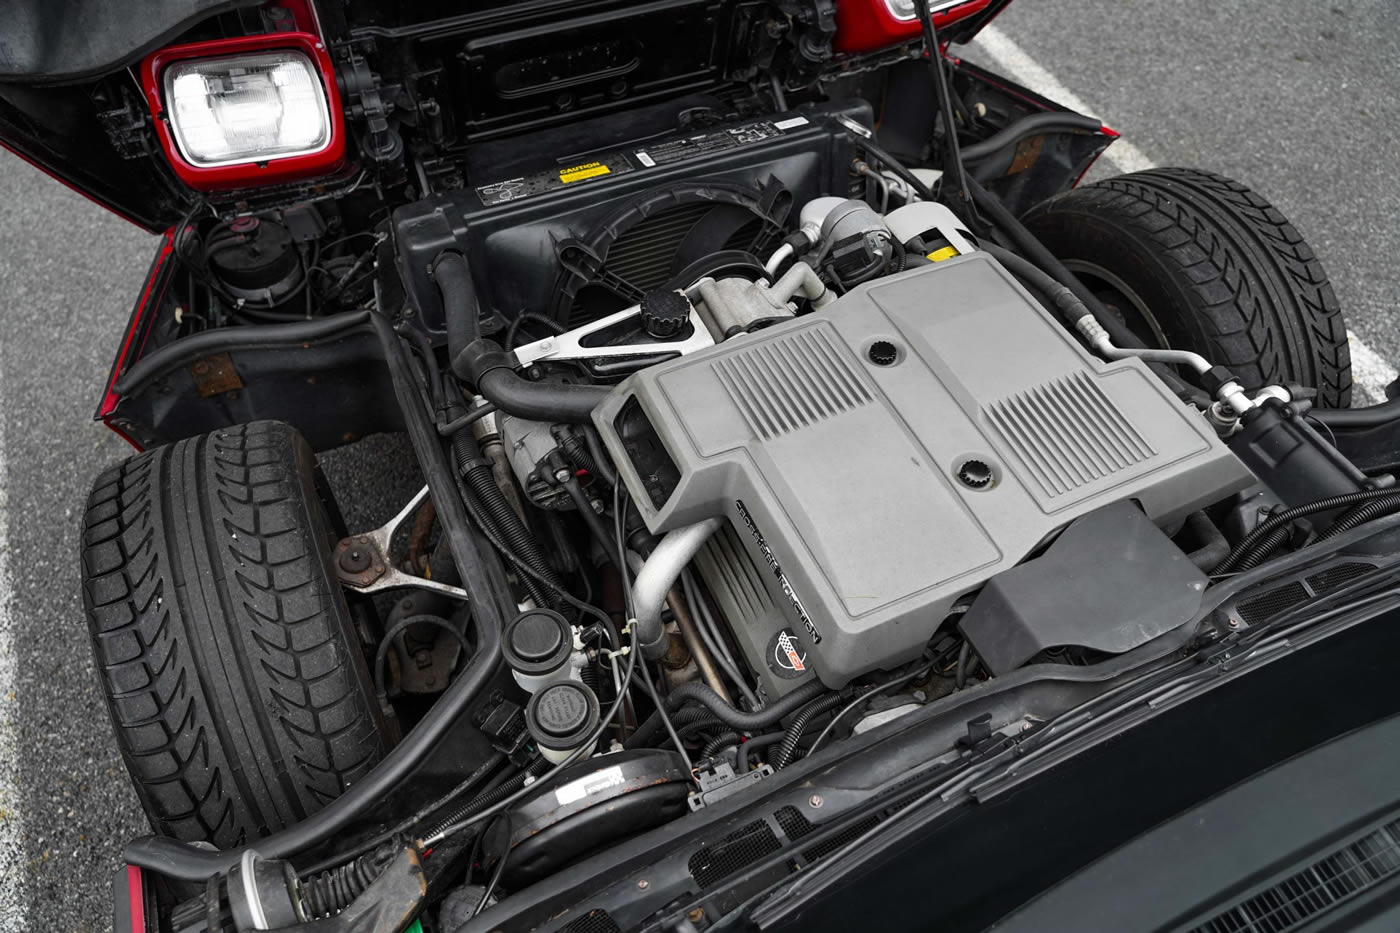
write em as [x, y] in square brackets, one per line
[235, 686]
[1256, 288]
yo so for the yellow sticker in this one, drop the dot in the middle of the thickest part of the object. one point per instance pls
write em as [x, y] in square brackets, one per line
[580, 172]
[939, 255]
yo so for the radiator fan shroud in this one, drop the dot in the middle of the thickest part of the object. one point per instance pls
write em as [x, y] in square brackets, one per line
[652, 239]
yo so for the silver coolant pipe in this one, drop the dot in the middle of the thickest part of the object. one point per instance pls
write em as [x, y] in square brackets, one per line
[801, 280]
[1231, 393]
[658, 575]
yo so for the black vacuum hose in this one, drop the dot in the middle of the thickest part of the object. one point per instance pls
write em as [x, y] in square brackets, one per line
[1029, 126]
[788, 746]
[713, 746]
[481, 481]
[1359, 515]
[229, 339]
[1369, 417]
[741, 764]
[1243, 556]
[482, 577]
[647, 731]
[738, 720]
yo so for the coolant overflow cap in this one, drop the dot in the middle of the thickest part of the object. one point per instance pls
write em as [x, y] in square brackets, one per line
[561, 715]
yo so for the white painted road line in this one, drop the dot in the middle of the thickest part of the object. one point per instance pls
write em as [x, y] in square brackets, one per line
[1015, 63]
[1370, 372]
[12, 843]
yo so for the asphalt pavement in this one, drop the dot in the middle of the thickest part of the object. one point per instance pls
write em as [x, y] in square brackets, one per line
[1299, 100]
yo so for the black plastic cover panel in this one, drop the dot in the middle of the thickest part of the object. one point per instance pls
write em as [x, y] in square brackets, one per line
[1111, 582]
[54, 40]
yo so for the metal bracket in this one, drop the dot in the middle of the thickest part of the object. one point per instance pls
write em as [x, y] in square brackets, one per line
[362, 562]
[569, 345]
[720, 781]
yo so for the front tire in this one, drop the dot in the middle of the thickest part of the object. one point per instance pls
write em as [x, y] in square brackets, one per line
[232, 671]
[1195, 261]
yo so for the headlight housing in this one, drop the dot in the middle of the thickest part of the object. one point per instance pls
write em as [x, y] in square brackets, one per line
[241, 112]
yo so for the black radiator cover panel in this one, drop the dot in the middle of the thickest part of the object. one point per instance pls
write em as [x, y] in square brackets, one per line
[511, 242]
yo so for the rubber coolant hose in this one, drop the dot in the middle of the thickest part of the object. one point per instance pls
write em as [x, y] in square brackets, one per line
[500, 384]
[1369, 417]
[738, 720]
[1028, 126]
[741, 764]
[229, 339]
[515, 395]
[453, 278]
[482, 577]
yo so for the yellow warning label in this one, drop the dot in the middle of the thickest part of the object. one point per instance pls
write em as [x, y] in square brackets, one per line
[939, 255]
[580, 172]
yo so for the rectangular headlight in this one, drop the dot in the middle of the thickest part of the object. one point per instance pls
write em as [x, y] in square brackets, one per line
[905, 10]
[246, 108]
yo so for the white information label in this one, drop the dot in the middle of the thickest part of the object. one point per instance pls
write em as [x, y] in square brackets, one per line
[791, 122]
[592, 784]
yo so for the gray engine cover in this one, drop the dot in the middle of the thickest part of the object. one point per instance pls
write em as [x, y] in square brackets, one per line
[840, 475]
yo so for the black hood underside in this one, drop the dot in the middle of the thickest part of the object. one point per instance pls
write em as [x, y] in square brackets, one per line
[68, 40]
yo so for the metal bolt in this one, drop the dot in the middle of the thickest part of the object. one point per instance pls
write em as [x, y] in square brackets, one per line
[643, 884]
[562, 476]
[546, 345]
[815, 801]
[354, 560]
[696, 915]
[1233, 623]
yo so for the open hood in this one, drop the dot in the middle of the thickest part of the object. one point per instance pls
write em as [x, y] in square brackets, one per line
[71, 102]
[48, 41]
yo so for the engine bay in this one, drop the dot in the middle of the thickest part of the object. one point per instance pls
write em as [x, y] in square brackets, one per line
[745, 443]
